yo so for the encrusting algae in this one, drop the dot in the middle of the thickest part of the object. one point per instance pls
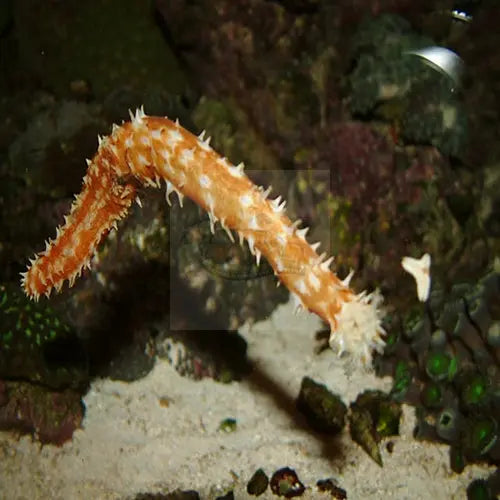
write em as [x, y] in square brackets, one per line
[147, 150]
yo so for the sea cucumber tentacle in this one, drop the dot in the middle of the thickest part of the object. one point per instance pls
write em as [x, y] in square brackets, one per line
[147, 150]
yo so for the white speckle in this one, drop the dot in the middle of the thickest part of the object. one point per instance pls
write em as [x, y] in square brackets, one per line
[246, 200]
[205, 181]
[313, 279]
[165, 154]
[156, 134]
[173, 138]
[142, 159]
[301, 287]
[282, 239]
[186, 156]
[252, 223]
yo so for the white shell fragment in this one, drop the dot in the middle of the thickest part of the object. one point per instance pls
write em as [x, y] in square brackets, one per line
[420, 269]
[443, 60]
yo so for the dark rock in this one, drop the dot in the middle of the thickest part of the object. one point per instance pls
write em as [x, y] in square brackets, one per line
[330, 486]
[285, 483]
[258, 483]
[324, 411]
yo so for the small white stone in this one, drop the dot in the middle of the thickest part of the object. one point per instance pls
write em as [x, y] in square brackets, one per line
[420, 269]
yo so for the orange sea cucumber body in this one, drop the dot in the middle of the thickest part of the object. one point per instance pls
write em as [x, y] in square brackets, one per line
[146, 151]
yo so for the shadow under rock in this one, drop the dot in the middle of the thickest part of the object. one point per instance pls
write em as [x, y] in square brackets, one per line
[122, 324]
[331, 446]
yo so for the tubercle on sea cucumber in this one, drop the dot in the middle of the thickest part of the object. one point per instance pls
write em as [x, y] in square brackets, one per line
[148, 150]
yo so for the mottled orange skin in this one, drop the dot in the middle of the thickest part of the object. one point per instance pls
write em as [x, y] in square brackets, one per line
[148, 150]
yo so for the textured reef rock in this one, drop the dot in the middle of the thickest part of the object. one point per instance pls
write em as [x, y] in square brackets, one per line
[49, 416]
[283, 94]
[43, 370]
[389, 81]
[64, 43]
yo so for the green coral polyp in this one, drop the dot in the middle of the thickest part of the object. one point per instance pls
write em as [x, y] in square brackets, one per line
[432, 396]
[482, 435]
[475, 391]
[29, 336]
[440, 366]
[402, 380]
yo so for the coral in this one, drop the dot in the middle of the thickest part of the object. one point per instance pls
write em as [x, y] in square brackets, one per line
[36, 345]
[373, 198]
[446, 361]
[149, 149]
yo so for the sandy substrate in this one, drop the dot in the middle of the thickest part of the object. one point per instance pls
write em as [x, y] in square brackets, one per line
[161, 433]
